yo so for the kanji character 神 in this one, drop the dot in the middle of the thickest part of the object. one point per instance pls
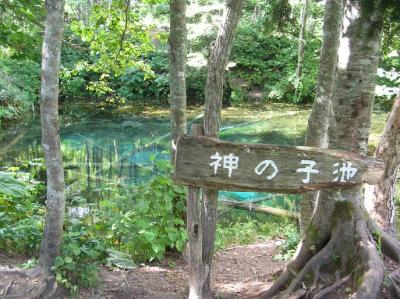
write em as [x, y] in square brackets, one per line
[230, 162]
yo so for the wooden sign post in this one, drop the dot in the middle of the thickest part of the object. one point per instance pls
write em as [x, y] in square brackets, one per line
[209, 163]
[214, 164]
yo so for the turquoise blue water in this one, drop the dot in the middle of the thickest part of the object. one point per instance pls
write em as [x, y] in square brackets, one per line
[111, 156]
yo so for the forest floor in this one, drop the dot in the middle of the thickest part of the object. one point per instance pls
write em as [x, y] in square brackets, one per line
[237, 272]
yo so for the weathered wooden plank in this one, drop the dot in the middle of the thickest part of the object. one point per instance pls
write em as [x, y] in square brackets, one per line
[211, 163]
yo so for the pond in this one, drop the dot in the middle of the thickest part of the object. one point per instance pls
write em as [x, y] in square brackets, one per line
[109, 157]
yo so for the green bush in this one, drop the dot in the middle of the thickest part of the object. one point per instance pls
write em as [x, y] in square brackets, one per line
[19, 87]
[289, 245]
[138, 85]
[21, 217]
[81, 253]
[268, 61]
[149, 224]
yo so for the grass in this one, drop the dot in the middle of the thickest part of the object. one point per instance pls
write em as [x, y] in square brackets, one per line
[238, 227]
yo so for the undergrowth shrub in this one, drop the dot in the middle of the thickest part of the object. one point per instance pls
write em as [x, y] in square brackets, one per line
[21, 217]
[19, 87]
[147, 225]
[81, 253]
[289, 244]
[268, 61]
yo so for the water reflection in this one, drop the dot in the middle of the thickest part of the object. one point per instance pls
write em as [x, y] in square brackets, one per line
[108, 158]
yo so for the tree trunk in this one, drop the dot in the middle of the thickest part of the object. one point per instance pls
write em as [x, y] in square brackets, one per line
[302, 41]
[177, 69]
[217, 63]
[318, 122]
[55, 204]
[380, 197]
[338, 254]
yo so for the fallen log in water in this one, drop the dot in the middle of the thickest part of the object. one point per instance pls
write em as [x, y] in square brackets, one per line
[262, 209]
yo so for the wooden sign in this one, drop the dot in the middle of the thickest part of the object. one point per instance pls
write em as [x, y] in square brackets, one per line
[211, 163]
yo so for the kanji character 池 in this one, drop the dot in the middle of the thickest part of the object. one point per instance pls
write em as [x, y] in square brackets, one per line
[308, 170]
[346, 170]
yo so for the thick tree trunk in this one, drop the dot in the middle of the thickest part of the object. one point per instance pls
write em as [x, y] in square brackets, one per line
[55, 204]
[338, 247]
[177, 69]
[318, 122]
[217, 63]
[380, 197]
[302, 41]
[354, 91]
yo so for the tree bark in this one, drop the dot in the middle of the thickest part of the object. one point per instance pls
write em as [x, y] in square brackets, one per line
[380, 197]
[302, 41]
[318, 122]
[55, 204]
[338, 227]
[217, 63]
[354, 90]
[177, 69]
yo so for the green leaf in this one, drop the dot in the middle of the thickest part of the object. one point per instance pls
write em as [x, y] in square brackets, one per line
[120, 260]
[179, 245]
[11, 186]
[68, 259]
[173, 236]
[157, 248]
[149, 235]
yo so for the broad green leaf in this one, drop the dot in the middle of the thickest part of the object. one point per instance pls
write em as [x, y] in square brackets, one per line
[11, 186]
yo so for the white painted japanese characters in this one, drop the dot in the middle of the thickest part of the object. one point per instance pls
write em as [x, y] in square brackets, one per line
[344, 173]
[212, 163]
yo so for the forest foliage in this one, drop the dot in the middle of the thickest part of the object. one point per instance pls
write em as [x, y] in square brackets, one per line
[112, 57]
[116, 55]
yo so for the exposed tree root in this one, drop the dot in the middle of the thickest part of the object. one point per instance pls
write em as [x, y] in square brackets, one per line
[394, 279]
[348, 265]
[30, 285]
[326, 291]
[390, 244]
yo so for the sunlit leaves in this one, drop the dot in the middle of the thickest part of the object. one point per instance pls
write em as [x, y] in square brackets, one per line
[21, 24]
[117, 37]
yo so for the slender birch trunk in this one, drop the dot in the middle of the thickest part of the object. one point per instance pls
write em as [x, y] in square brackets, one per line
[302, 41]
[318, 122]
[55, 204]
[177, 69]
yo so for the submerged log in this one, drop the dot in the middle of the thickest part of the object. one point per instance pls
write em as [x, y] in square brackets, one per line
[262, 209]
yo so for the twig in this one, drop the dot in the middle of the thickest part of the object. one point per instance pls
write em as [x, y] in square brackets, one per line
[128, 4]
[333, 287]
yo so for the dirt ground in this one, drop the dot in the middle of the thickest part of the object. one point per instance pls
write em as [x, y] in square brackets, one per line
[237, 272]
